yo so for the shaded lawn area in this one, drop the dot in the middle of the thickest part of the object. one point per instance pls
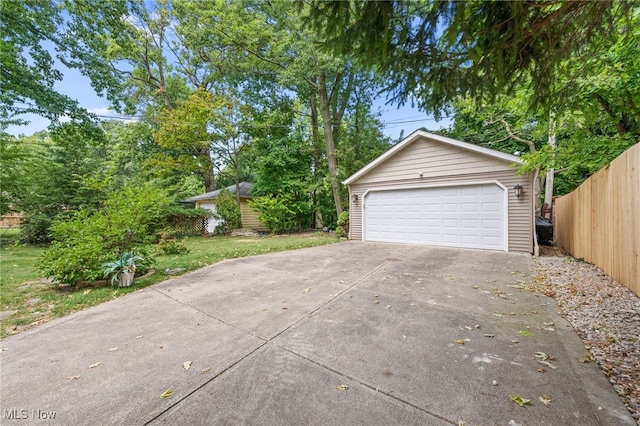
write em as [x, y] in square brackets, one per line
[26, 299]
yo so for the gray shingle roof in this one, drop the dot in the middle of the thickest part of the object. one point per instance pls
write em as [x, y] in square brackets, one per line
[245, 191]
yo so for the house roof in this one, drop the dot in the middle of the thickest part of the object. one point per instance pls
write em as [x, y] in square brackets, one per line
[245, 191]
[419, 134]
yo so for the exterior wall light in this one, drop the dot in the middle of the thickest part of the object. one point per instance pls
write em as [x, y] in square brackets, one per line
[354, 197]
[518, 188]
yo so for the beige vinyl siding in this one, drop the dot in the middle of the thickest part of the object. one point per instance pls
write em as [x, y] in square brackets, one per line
[432, 159]
[250, 217]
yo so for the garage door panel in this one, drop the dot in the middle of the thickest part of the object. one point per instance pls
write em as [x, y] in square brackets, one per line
[469, 224]
[450, 207]
[469, 239]
[490, 190]
[471, 216]
[488, 207]
[450, 238]
[490, 241]
[469, 207]
[491, 224]
[469, 191]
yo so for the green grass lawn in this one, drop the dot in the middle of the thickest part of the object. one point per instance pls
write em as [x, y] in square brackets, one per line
[36, 301]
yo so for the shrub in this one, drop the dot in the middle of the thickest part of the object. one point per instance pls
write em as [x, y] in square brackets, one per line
[81, 246]
[34, 229]
[274, 213]
[78, 250]
[169, 246]
[342, 230]
[227, 210]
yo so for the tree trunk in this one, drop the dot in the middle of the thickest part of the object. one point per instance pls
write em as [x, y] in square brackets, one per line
[208, 176]
[329, 142]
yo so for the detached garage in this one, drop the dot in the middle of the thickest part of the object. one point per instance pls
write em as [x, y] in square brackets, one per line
[434, 190]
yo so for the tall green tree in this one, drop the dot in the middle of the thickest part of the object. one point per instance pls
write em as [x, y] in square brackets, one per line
[267, 46]
[206, 131]
[431, 52]
[40, 38]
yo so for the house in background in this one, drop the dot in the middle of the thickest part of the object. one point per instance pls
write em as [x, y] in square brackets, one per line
[434, 190]
[248, 215]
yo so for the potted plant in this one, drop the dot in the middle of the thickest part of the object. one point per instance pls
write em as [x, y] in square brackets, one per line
[122, 270]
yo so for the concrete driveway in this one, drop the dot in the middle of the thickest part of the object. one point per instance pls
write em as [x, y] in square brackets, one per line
[351, 333]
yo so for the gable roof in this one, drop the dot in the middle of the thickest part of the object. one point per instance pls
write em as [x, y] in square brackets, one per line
[417, 135]
[245, 191]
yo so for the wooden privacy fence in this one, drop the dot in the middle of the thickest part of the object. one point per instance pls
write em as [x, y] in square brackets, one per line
[600, 220]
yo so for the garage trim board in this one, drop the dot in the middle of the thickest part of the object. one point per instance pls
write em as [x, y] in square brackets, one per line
[470, 214]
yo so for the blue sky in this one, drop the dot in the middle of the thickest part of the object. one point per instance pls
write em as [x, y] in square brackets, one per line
[77, 86]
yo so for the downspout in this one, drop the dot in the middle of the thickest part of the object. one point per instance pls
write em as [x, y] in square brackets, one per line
[536, 248]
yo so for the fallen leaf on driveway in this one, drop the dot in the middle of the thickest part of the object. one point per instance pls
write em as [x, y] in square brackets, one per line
[585, 359]
[460, 341]
[541, 356]
[95, 365]
[342, 387]
[307, 290]
[520, 400]
[71, 378]
[547, 364]
[113, 349]
[205, 371]
[489, 335]
[166, 393]
[186, 365]
[541, 370]
[546, 399]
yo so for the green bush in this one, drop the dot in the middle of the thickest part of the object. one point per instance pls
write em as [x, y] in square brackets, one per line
[126, 222]
[227, 210]
[34, 229]
[169, 246]
[342, 230]
[274, 213]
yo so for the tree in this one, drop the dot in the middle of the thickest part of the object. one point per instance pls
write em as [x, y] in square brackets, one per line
[282, 159]
[57, 175]
[205, 131]
[264, 48]
[435, 51]
[31, 31]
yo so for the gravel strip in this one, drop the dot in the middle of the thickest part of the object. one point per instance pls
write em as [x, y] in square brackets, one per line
[606, 316]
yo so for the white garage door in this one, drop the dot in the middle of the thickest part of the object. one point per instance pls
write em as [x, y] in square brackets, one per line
[472, 216]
